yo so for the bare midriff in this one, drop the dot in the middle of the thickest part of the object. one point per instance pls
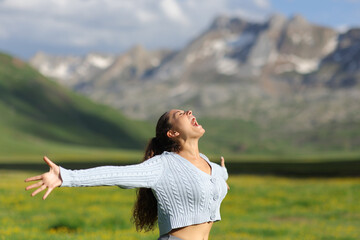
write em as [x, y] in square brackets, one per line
[193, 232]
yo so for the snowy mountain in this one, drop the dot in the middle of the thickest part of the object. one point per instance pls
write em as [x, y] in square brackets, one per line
[287, 70]
[71, 70]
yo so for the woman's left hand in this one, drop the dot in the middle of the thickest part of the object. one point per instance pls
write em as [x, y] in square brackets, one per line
[223, 165]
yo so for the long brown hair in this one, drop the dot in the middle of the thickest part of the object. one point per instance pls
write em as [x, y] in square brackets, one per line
[145, 208]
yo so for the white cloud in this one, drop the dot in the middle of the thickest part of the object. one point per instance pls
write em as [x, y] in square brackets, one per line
[173, 11]
[113, 25]
[262, 3]
[342, 28]
[145, 16]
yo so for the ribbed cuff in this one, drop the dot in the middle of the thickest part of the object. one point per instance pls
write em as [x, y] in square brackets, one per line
[65, 176]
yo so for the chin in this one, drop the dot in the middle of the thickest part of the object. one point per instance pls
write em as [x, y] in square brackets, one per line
[199, 133]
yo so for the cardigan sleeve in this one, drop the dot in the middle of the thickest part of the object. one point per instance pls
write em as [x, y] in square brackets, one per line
[225, 174]
[145, 174]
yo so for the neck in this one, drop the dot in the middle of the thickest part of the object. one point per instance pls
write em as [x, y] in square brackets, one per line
[190, 149]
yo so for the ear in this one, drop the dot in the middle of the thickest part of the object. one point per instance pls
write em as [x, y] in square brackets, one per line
[172, 133]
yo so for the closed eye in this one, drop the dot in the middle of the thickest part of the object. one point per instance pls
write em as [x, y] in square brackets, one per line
[178, 113]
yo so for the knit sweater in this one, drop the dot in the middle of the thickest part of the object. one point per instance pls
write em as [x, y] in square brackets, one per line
[185, 194]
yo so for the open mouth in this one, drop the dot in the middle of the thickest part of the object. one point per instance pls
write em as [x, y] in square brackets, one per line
[194, 122]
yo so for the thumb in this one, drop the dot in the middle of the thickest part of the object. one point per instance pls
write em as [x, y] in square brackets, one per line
[222, 161]
[49, 162]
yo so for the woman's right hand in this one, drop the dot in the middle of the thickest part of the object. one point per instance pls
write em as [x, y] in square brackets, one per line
[49, 180]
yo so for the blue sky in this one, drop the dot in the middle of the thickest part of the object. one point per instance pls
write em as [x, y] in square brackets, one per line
[77, 27]
[333, 13]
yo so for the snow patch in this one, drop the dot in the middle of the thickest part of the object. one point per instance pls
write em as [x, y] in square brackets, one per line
[99, 61]
[210, 48]
[305, 65]
[330, 46]
[60, 71]
[300, 65]
[218, 45]
[214, 47]
[226, 66]
[241, 41]
[302, 38]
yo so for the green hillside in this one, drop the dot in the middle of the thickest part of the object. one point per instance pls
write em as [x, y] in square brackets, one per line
[39, 116]
[245, 140]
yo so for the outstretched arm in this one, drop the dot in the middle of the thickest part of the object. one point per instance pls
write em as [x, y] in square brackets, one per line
[144, 174]
[49, 180]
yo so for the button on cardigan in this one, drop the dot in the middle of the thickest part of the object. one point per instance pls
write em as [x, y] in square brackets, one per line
[185, 194]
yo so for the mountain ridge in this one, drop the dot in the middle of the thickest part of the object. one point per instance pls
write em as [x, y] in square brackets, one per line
[304, 75]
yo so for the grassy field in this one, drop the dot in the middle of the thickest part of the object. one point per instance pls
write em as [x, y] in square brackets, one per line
[257, 207]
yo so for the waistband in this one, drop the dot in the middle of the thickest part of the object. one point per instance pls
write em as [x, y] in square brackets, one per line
[168, 237]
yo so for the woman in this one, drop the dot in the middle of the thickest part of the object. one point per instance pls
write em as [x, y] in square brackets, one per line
[179, 187]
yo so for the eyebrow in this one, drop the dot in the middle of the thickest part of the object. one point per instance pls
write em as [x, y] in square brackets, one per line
[175, 113]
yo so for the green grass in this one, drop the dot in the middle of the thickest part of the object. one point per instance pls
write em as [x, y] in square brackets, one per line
[271, 208]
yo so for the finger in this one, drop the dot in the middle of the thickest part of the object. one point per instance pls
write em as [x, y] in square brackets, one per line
[228, 186]
[38, 190]
[38, 184]
[47, 193]
[222, 161]
[39, 177]
[49, 162]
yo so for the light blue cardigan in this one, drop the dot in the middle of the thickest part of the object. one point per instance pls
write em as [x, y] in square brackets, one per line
[185, 194]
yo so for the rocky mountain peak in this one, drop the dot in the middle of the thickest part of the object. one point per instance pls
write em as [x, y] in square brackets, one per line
[349, 38]
[253, 71]
[341, 68]
[277, 21]
[220, 22]
[298, 19]
[227, 23]
[137, 51]
[305, 40]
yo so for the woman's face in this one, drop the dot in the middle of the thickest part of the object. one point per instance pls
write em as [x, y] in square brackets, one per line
[184, 124]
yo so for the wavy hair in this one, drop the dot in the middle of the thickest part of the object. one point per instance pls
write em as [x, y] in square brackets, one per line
[145, 209]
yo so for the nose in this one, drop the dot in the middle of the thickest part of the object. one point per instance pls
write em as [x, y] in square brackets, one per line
[189, 112]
